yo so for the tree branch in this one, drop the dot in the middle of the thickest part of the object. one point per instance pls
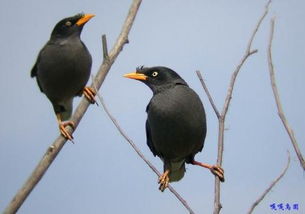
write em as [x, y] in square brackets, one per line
[248, 53]
[278, 101]
[105, 48]
[273, 183]
[208, 94]
[138, 151]
[57, 145]
[221, 120]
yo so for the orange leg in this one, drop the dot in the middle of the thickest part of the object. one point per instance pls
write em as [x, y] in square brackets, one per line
[216, 170]
[89, 93]
[62, 126]
[164, 180]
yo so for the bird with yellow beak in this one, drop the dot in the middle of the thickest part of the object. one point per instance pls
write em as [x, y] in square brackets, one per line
[63, 67]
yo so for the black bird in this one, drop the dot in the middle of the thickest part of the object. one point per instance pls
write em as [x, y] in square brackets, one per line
[176, 123]
[63, 68]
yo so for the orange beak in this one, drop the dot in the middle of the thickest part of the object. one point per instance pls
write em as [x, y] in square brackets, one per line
[136, 76]
[84, 19]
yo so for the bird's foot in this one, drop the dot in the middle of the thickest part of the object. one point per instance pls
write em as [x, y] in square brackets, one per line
[218, 171]
[64, 132]
[163, 180]
[89, 94]
[215, 169]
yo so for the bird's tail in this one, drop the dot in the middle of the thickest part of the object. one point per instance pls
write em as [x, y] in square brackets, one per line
[65, 109]
[177, 170]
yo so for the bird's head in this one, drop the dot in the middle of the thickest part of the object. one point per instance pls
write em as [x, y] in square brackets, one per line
[157, 78]
[70, 26]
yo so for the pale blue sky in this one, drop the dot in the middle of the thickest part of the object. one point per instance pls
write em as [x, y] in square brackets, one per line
[100, 173]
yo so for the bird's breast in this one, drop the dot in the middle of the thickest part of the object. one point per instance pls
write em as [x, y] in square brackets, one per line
[64, 69]
[177, 123]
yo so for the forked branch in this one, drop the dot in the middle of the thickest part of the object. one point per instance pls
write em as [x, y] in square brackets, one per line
[222, 116]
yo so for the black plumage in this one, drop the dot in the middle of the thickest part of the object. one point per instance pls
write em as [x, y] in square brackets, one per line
[63, 68]
[176, 122]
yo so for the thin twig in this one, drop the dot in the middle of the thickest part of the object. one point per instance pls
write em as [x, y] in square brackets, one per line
[278, 101]
[221, 127]
[105, 48]
[138, 151]
[208, 94]
[273, 183]
[57, 145]
[248, 53]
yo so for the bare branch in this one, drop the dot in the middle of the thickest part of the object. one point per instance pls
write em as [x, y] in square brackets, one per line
[248, 53]
[208, 94]
[278, 101]
[105, 48]
[138, 151]
[273, 183]
[258, 25]
[57, 145]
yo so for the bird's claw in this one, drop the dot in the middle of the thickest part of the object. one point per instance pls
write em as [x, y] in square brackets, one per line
[218, 171]
[63, 130]
[163, 181]
[89, 93]
[215, 169]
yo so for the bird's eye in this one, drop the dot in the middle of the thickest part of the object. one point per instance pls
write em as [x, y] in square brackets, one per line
[154, 74]
[68, 23]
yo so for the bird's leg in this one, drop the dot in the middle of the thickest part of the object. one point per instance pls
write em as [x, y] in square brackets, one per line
[89, 93]
[62, 126]
[164, 180]
[216, 170]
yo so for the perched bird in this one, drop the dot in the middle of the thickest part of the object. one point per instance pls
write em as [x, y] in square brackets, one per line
[63, 67]
[176, 123]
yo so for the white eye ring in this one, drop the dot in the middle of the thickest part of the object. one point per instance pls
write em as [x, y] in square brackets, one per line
[154, 74]
[68, 23]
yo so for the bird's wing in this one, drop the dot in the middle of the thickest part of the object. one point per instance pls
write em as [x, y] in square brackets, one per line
[34, 72]
[35, 67]
[149, 140]
[148, 135]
